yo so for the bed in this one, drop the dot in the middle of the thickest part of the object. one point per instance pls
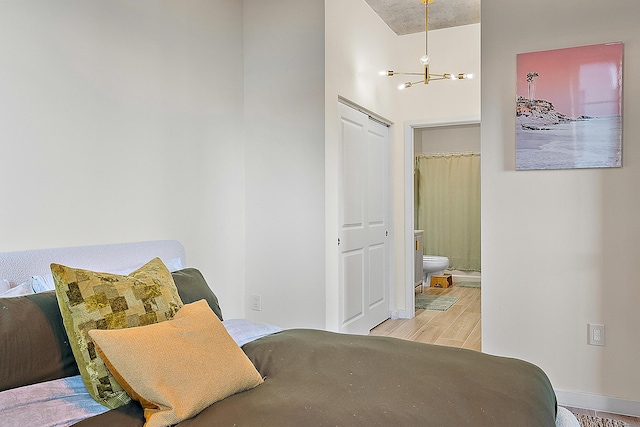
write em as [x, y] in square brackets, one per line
[299, 376]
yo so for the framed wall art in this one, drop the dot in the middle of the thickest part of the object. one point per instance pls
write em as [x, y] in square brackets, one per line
[569, 108]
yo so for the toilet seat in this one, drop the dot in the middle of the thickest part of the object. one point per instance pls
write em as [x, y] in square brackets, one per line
[434, 258]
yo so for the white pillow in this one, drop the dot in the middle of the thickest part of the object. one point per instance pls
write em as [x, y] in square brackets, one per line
[42, 283]
[174, 264]
[45, 283]
[16, 291]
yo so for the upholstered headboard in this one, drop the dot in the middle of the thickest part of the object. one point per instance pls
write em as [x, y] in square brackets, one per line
[17, 267]
[33, 342]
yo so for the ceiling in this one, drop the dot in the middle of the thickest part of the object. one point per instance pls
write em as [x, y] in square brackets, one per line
[407, 16]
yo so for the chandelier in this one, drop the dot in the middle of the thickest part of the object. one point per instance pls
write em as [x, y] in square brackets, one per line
[424, 60]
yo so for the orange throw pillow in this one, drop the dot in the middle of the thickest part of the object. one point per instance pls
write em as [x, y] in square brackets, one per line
[178, 367]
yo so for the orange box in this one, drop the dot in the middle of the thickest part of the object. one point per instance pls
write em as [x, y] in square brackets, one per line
[443, 281]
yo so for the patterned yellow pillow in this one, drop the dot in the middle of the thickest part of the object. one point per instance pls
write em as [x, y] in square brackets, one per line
[176, 369]
[91, 300]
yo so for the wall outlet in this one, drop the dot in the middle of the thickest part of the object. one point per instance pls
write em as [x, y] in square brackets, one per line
[596, 334]
[256, 303]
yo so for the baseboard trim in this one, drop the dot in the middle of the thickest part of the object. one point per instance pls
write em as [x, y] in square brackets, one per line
[403, 314]
[598, 403]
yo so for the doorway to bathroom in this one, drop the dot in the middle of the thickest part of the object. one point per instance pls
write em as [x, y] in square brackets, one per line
[459, 325]
[447, 195]
[435, 137]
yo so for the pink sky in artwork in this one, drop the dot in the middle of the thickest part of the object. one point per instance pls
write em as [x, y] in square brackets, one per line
[578, 81]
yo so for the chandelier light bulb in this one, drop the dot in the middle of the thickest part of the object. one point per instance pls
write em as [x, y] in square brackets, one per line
[462, 76]
[404, 86]
[424, 59]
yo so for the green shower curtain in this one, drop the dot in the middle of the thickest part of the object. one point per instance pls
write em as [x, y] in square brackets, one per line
[447, 204]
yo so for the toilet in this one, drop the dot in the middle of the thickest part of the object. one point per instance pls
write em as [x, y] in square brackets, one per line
[433, 266]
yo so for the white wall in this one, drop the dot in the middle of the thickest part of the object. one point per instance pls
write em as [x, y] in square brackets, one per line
[447, 139]
[119, 122]
[560, 248]
[284, 127]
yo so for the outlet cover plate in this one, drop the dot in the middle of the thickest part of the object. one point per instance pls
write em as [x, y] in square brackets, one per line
[596, 334]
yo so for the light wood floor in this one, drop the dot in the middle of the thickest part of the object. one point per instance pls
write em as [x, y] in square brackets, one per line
[459, 326]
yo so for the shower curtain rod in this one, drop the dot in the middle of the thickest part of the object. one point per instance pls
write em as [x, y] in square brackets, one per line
[461, 153]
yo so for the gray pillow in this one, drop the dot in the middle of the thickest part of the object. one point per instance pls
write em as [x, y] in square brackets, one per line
[192, 287]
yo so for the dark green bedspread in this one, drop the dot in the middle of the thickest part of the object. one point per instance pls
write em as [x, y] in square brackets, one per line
[317, 378]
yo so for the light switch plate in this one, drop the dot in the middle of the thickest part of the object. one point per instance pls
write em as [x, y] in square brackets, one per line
[256, 303]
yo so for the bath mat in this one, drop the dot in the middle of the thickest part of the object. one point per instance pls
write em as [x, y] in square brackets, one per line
[589, 421]
[468, 284]
[435, 302]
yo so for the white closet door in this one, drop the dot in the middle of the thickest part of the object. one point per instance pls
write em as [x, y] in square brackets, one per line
[364, 240]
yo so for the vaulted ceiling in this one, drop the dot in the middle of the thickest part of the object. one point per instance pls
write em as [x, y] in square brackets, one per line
[407, 16]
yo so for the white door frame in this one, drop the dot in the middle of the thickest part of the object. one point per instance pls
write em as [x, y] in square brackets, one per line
[409, 137]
